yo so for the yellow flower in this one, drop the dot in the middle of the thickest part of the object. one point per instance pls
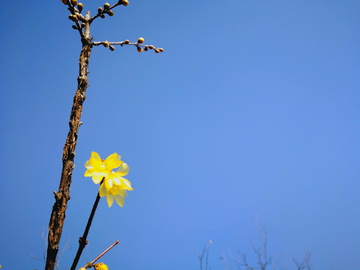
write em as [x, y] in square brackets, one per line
[115, 186]
[98, 168]
[100, 266]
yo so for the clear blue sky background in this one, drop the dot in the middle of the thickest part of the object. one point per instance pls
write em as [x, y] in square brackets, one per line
[252, 110]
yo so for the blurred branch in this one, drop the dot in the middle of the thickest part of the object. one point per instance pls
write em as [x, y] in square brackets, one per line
[204, 252]
[262, 257]
[305, 263]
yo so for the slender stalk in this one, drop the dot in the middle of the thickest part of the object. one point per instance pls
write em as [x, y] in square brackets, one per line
[82, 240]
[62, 197]
[106, 250]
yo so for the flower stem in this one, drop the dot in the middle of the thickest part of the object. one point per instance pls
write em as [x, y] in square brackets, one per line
[82, 240]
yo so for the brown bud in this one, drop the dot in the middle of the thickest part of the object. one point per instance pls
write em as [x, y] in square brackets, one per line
[151, 47]
[102, 16]
[106, 44]
[80, 7]
[64, 2]
[157, 50]
[139, 49]
[141, 40]
[146, 49]
[82, 25]
[100, 9]
[161, 49]
[111, 13]
[112, 48]
[126, 41]
[125, 2]
[106, 6]
[74, 2]
[73, 18]
[74, 27]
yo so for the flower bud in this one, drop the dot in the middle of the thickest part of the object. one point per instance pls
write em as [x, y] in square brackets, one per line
[82, 25]
[64, 2]
[141, 40]
[106, 6]
[77, 15]
[80, 7]
[146, 49]
[74, 27]
[139, 49]
[73, 18]
[74, 2]
[161, 49]
[100, 9]
[106, 44]
[125, 2]
[157, 50]
[126, 41]
[102, 16]
[111, 13]
[100, 266]
[112, 48]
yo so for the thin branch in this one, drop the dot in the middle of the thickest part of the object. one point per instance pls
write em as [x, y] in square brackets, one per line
[102, 11]
[127, 42]
[82, 240]
[91, 264]
[104, 252]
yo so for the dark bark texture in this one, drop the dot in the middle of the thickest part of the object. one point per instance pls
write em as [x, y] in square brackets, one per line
[63, 195]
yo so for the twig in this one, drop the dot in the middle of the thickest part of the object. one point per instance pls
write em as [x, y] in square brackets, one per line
[82, 240]
[91, 264]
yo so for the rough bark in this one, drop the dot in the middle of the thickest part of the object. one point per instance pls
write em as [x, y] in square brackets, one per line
[63, 195]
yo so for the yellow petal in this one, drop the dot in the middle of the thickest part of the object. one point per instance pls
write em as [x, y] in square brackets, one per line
[110, 199]
[123, 169]
[127, 184]
[88, 173]
[108, 184]
[116, 179]
[102, 190]
[88, 165]
[97, 177]
[119, 199]
[97, 164]
[95, 155]
[113, 161]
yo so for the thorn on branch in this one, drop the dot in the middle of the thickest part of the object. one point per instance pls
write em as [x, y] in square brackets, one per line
[56, 195]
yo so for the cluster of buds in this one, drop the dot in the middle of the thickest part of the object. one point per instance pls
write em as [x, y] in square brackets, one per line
[76, 9]
[146, 47]
[139, 45]
[107, 9]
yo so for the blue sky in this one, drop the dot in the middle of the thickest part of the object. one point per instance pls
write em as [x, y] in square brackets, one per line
[253, 110]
